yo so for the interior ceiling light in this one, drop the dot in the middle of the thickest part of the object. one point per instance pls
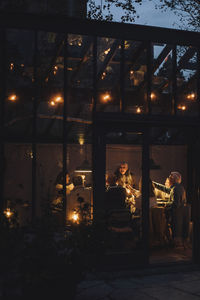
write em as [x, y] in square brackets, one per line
[84, 167]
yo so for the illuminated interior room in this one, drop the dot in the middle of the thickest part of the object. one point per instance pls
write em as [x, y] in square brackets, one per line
[80, 99]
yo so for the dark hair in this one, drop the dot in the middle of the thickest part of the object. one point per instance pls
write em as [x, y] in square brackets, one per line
[77, 180]
[59, 178]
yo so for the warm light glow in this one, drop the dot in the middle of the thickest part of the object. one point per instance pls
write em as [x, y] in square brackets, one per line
[107, 51]
[55, 70]
[83, 171]
[12, 97]
[22, 65]
[8, 213]
[58, 99]
[131, 72]
[75, 217]
[103, 75]
[106, 97]
[11, 66]
[128, 191]
[79, 44]
[81, 140]
[138, 110]
[182, 107]
[153, 96]
[191, 96]
[52, 103]
[83, 177]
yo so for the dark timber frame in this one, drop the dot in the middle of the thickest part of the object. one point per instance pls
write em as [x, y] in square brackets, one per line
[103, 121]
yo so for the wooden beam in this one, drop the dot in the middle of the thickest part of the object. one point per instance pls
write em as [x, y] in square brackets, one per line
[58, 23]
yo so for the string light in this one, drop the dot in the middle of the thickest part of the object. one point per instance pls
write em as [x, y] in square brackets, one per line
[58, 99]
[191, 96]
[103, 75]
[138, 110]
[182, 107]
[153, 96]
[107, 51]
[52, 103]
[106, 97]
[12, 97]
[8, 213]
[75, 217]
[81, 140]
[55, 70]
[11, 66]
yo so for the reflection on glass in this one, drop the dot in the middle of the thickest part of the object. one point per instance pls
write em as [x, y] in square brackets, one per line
[18, 182]
[20, 81]
[161, 94]
[108, 73]
[187, 81]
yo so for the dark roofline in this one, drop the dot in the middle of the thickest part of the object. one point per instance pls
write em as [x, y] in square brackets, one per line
[59, 23]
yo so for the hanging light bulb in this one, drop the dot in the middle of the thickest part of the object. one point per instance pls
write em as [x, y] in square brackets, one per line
[58, 99]
[138, 110]
[12, 97]
[106, 97]
[8, 213]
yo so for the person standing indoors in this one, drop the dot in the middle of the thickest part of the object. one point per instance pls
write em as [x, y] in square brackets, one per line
[124, 178]
[123, 175]
[177, 201]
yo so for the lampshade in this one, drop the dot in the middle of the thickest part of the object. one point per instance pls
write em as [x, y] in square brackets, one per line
[152, 165]
[84, 167]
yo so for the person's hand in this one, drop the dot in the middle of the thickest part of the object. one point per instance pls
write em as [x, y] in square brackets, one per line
[70, 187]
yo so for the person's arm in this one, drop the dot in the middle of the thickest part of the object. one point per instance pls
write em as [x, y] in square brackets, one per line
[161, 187]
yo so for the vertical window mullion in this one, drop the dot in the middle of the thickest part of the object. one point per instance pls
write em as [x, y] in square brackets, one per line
[174, 80]
[65, 111]
[34, 124]
[149, 77]
[3, 87]
[198, 78]
[94, 128]
[122, 79]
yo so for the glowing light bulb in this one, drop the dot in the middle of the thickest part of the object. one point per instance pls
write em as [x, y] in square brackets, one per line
[153, 96]
[107, 51]
[182, 107]
[106, 97]
[191, 96]
[58, 99]
[75, 217]
[8, 213]
[11, 66]
[138, 110]
[12, 97]
[52, 103]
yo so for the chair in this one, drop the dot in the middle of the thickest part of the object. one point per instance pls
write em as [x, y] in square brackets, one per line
[118, 219]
